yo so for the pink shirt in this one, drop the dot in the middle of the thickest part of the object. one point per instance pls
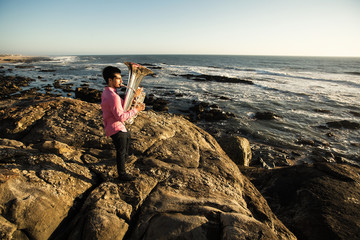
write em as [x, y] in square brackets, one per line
[114, 115]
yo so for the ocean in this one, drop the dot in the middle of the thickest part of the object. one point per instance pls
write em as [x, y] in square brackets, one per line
[304, 93]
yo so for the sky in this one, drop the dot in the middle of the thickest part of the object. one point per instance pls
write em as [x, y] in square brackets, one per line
[229, 27]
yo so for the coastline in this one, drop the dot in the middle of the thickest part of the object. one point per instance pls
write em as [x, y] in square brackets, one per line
[167, 152]
[218, 112]
[77, 174]
[13, 58]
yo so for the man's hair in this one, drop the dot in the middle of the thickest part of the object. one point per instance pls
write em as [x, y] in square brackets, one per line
[109, 72]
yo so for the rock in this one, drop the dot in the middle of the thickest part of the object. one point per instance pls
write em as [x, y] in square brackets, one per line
[303, 141]
[249, 228]
[270, 157]
[317, 201]
[322, 110]
[344, 124]
[37, 199]
[356, 114]
[60, 169]
[61, 84]
[88, 94]
[205, 77]
[237, 148]
[207, 112]
[149, 99]
[265, 116]
[10, 85]
[150, 66]
[47, 70]
[24, 66]
[160, 105]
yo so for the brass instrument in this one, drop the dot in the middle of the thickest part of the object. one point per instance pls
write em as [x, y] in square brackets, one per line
[136, 73]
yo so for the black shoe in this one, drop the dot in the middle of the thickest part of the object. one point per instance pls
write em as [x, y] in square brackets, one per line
[125, 177]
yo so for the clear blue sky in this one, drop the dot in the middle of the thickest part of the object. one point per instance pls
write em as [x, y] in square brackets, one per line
[241, 27]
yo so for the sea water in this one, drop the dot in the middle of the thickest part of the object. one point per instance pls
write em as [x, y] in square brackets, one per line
[305, 92]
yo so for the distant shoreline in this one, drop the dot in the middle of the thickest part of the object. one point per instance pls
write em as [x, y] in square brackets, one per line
[9, 58]
[13, 58]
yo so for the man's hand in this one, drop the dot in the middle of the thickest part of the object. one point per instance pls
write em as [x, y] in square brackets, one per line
[140, 107]
[137, 94]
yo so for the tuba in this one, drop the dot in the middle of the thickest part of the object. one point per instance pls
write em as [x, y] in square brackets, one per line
[136, 74]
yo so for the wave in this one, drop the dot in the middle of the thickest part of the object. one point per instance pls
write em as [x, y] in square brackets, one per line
[286, 92]
[64, 59]
[287, 75]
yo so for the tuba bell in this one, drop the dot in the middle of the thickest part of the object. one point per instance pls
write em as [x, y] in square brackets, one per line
[136, 73]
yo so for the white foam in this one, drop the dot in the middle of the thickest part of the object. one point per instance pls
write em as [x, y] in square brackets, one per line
[65, 59]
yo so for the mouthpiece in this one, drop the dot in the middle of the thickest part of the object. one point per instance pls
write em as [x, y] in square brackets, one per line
[127, 87]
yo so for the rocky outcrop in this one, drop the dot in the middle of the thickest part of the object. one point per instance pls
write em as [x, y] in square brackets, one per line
[88, 94]
[316, 202]
[237, 148]
[205, 111]
[57, 171]
[10, 85]
[343, 124]
[205, 77]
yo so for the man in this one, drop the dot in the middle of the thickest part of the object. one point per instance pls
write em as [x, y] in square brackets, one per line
[114, 117]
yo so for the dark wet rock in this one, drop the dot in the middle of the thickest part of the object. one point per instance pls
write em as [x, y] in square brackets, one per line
[316, 202]
[48, 88]
[207, 112]
[61, 84]
[88, 94]
[322, 111]
[24, 66]
[303, 141]
[265, 116]
[160, 105]
[353, 73]
[150, 66]
[321, 155]
[311, 142]
[47, 70]
[205, 77]
[59, 168]
[268, 157]
[356, 114]
[224, 98]
[343, 124]
[149, 99]
[12, 84]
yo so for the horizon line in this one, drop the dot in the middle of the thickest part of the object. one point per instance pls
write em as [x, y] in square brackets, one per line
[177, 54]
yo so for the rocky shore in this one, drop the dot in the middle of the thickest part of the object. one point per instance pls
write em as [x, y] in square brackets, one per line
[57, 171]
[5, 58]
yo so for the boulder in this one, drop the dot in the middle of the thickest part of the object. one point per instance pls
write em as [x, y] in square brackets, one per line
[319, 201]
[38, 189]
[237, 148]
[265, 116]
[59, 179]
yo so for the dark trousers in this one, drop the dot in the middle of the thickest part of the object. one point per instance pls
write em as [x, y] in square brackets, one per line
[121, 141]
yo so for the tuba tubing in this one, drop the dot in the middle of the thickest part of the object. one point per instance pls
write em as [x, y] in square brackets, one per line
[136, 73]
